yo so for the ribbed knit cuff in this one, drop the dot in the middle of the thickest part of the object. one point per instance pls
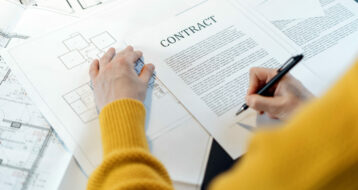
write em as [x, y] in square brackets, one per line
[122, 125]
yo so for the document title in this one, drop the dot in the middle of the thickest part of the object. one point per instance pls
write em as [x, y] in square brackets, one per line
[188, 31]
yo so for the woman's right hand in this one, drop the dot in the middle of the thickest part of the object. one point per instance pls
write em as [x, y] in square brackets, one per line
[287, 95]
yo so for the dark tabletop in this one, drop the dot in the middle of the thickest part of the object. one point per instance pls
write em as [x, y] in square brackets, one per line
[219, 161]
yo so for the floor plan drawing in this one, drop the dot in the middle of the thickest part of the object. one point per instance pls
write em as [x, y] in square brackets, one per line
[27, 141]
[10, 88]
[28, 146]
[81, 100]
[82, 50]
[159, 91]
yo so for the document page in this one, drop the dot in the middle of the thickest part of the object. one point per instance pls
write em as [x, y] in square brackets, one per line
[287, 9]
[329, 42]
[10, 13]
[204, 55]
[31, 155]
[54, 71]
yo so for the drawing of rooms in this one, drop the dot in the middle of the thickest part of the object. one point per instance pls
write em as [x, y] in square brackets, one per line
[81, 50]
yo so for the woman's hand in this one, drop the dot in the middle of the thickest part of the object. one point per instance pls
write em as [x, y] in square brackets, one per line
[287, 95]
[114, 78]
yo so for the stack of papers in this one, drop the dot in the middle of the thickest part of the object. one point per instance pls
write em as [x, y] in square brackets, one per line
[202, 52]
[165, 136]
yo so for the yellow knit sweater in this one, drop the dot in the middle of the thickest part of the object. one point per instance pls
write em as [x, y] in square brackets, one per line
[317, 149]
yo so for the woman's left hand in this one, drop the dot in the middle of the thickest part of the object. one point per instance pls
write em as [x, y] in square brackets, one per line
[114, 78]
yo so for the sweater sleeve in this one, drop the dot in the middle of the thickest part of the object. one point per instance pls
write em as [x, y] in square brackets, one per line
[317, 149]
[127, 162]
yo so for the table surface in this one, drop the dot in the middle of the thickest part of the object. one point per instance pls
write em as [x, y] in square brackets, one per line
[219, 162]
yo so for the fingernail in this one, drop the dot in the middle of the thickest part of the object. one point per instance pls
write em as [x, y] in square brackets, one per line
[151, 67]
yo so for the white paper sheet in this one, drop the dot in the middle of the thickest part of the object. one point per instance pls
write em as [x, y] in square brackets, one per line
[287, 9]
[10, 13]
[194, 82]
[74, 177]
[329, 42]
[28, 145]
[196, 152]
[67, 101]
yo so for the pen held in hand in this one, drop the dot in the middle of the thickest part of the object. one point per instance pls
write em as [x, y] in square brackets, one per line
[286, 67]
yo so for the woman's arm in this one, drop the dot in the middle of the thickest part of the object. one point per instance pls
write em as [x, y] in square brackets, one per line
[119, 91]
[127, 162]
[316, 149]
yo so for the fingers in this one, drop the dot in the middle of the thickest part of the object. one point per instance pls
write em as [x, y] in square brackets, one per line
[272, 116]
[258, 78]
[147, 73]
[94, 69]
[128, 56]
[271, 105]
[132, 57]
[107, 57]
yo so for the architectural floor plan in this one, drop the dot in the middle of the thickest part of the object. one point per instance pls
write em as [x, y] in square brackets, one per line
[73, 114]
[81, 100]
[82, 50]
[27, 142]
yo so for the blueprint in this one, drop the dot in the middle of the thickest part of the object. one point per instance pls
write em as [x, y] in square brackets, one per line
[16, 12]
[27, 143]
[74, 118]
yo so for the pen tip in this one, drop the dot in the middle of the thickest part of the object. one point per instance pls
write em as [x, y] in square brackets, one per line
[242, 109]
[239, 112]
[299, 57]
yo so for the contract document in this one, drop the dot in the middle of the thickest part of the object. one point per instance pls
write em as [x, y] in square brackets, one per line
[204, 55]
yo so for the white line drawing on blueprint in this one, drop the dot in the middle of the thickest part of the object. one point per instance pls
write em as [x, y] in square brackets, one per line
[81, 50]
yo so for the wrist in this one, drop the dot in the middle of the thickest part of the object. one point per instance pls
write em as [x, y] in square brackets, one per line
[122, 125]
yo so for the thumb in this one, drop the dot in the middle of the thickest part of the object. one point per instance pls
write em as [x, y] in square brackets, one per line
[94, 69]
[270, 105]
[147, 73]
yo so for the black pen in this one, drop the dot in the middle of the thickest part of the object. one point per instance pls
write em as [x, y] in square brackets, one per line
[292, 62]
